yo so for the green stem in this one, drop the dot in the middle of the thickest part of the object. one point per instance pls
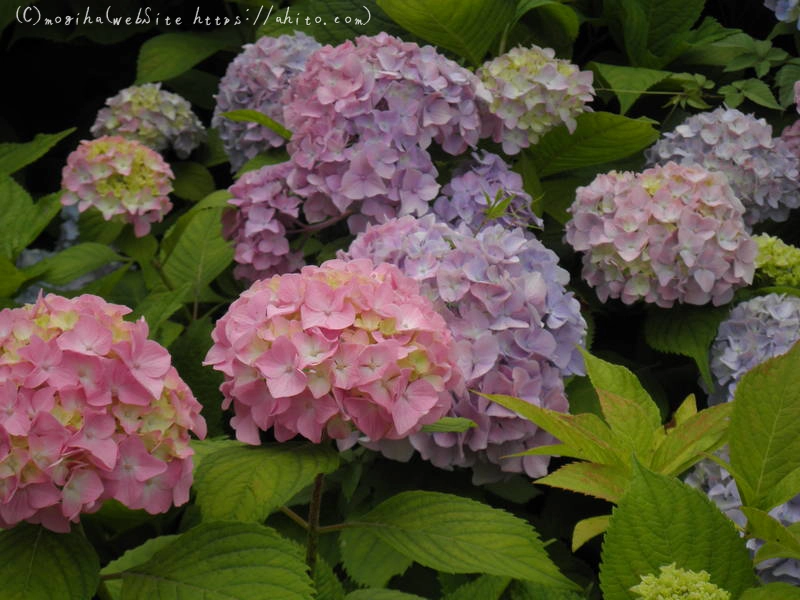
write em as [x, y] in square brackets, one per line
[314, 508]
[294, 517]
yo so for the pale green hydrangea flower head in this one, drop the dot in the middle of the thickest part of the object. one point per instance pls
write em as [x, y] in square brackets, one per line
[777, 261]
[675, 583]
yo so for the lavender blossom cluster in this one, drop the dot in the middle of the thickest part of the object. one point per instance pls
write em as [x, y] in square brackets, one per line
[362, 116]
[763, 172]
[256, 80]
[534, 92]
[264, 209]
[669, 234]
[156, 118]
[720, 487]
[515, 326]
[479, 183]
[755, 330]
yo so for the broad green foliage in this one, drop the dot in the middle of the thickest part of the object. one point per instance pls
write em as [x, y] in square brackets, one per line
[22, 220]
[246, 483]
[369, 560]
[73, 262]
[445, 424]
[457, 535]
[253, 116]
[216, 561]
[486, 587]
[772, 591]
[466, 27]
[381, 594]
[685, 330]
[628, 83]
[15, 156]
[37, 564]
[132, 558]
[171, 54]
[781, 541]
[661, 521]
[630, 427]
[192, 181]
[765, 428]
[599, 138]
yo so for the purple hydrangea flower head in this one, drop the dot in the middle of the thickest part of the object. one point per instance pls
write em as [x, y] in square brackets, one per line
[720, 487]
[255, 80]
[516, 331]
[787, 11]
[485, 180]
[534, 92]
[669, 234]
[155, 117]
[764, 173]
[118, 177]
[790, 136]
[264, 209]
[755, 330]
[362, 116]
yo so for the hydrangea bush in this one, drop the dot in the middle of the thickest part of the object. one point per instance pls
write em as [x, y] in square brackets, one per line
[334, 348]
[118, 177]
[762, 171]
[155, 117]
[515, 327]
[91, 410]
[669, 234]
[255, 80]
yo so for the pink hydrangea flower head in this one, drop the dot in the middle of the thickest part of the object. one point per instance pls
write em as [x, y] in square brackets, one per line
[90, 410]
[265, 208]
[363, 115]
[763, 172]
[534, 92]
[485, 180]
[256, 80]
[340, 347]
[118, 177]
[670, 234]
[155, 117]
[516, 332]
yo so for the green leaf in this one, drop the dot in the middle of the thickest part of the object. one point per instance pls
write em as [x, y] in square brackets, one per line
[628, 83]
[21, 220]
[94, 228]
[627, 407]
[457, 535]
[253, 116]
[197, 86]
[685, 330]
[262, 160]
[192, 181]
[758, 92]
[170, 54]
[132, 558]
[71, 263]
[369, 560]
[661, 520]
[772, 591]
[607, 482]
[553, 24]
[11, 278]
[450, 424]
[525, 590]
[326, 583]
[15, 156]
[365, 18]
[222, 561]
[485, 587]
[248, 483]
[785, 78]
[761, 525]
[200, 252]
[37, 564]
[786, 489]
[585, 435]
[764, 434]
[466, 27]
[654, 31]
[157, 307]
[381, 594]
[588, 528]
[600, 137]
[685, 443]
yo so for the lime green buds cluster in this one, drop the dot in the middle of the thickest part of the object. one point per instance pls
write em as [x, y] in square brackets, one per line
[777, 261]
[679, 584]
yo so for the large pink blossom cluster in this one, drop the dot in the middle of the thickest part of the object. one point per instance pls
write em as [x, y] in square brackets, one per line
[118, 177]
[336, 347]
[264, 209]
[669, 234]
[90, 409]
[362, 116]
[255, 80]
[516, 331]
[533, 92]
